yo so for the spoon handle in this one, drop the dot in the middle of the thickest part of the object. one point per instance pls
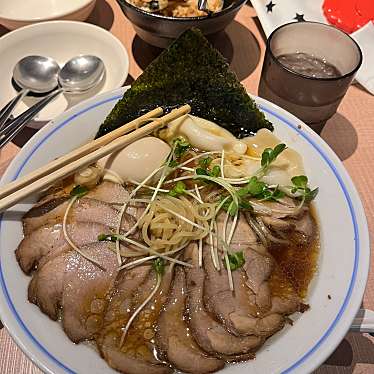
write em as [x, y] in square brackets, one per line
[16, 125]
[364, 321]
[7, 110]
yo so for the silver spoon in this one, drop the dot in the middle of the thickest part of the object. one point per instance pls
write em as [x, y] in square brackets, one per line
[32, 73]
[202, 5]
[77, 76]
[81, 73]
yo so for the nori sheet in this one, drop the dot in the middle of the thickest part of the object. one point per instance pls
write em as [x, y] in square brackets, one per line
[190, 71]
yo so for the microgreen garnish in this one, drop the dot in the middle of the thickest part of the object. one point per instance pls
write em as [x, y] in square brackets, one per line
[178, 189]
[300, 185]
[255, 188]
[215, 172]
[173, 163]
[232, 208]
[299, 181]
[108, 237]
[270, 154]
[181, 147]
[236, 260]
[78, 191]
[274, 194]
[201, 171]
[205, 162]
[259, 190]
[229, 205]
[159, 266]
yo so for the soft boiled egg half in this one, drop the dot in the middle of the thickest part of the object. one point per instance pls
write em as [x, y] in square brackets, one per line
[135, 162]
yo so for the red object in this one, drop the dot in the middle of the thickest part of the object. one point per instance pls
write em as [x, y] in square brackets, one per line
[365, 8]
[348, 15]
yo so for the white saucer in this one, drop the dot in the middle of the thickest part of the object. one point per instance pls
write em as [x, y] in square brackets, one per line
[61, 40]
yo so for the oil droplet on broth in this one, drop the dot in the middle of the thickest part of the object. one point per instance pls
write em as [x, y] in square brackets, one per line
[148, 334]
[142, 331]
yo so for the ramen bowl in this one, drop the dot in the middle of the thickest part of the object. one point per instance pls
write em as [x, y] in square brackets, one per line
[18, 13]
[334, 296]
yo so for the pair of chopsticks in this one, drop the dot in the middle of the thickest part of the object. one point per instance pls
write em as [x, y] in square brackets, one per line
[85, 155]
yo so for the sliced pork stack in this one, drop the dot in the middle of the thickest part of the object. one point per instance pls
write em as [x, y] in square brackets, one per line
[194, 322]
[174, 340]
[75, 287]
[135, 355]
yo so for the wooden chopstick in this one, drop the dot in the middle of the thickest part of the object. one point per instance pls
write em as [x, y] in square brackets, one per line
[90, 158]
[77, 153]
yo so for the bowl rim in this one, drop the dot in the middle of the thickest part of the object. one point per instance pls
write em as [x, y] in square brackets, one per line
[74, 9]
[237, 4]
[354, 295]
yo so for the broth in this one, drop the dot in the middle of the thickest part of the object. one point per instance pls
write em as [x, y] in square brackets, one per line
[295, 265]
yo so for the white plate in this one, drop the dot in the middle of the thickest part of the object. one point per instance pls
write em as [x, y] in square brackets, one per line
[61, 40]
[343, 263]
[18, 13]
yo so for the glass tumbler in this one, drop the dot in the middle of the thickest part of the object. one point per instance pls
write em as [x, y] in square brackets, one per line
[313, 100]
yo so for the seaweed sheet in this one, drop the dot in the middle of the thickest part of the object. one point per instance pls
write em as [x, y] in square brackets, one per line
[190, 71]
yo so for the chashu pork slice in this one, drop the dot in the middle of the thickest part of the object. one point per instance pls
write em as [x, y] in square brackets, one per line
[109, 192]
[84, 209]
[136, 355]
[120, 299]
[78, 288]
[243, 234]
[48, 212]
[302, 229]
[258, 263]
[49, 240]
[210, 335]
[258, 267]
[93, 207]
[173, 339]
[236, 310]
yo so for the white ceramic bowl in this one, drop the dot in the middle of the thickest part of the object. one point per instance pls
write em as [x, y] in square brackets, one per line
[61, 40]
[342, 270]
[18, 13]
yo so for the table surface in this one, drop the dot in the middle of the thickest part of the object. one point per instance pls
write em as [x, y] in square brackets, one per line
[350, 133]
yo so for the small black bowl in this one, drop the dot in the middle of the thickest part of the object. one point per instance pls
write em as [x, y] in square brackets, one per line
[160, 31]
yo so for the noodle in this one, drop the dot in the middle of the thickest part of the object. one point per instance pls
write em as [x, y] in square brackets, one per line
[171, 222]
